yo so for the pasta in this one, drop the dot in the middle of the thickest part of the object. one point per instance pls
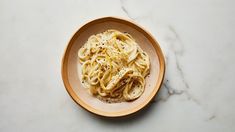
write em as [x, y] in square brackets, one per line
[114, 66]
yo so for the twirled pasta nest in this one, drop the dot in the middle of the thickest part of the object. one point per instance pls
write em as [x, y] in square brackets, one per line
[114, 66]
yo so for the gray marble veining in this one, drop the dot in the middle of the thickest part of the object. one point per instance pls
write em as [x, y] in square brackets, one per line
[197, 38]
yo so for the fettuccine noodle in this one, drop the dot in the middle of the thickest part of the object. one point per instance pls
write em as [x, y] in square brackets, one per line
[113, 66]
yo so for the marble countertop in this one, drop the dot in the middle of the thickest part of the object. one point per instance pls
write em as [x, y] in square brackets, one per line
[197, 38]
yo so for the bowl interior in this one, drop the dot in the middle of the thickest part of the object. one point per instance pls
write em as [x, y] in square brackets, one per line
[71, 67]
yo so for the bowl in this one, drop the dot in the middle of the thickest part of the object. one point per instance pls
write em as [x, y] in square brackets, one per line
[71, 67]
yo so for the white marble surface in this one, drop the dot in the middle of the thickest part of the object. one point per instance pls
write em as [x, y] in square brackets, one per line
[197, 37]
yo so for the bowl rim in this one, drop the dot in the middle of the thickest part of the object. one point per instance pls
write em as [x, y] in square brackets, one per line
[64, 65]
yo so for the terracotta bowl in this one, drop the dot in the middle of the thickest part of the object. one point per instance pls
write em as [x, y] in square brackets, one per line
[71, 67]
